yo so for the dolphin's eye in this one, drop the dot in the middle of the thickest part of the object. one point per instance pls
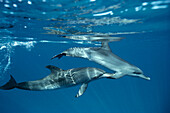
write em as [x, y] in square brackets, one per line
[137, 72]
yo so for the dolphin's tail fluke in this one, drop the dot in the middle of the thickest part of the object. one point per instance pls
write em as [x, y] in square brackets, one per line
[10, 84]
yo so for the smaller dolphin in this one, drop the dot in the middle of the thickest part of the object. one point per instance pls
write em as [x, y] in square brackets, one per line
[103, 56]
[60, 79]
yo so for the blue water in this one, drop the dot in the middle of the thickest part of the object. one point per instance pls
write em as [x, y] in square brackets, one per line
[31, 33]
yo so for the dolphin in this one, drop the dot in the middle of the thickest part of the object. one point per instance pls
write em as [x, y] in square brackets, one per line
[61, 79]
[103, 56]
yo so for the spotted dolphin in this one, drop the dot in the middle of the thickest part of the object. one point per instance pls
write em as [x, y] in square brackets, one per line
[61, 79]
[103, 56]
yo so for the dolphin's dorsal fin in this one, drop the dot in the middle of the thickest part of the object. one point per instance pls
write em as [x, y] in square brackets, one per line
[82, 89]
[105, 45]
[106, 40]
[53, 68]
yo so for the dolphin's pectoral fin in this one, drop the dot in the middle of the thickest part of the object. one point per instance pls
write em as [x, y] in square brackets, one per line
[59, 56]
[82, 89]
[113, 75]
[117, 75]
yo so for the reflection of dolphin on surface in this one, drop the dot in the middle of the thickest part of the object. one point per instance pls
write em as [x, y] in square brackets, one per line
[60, 78]
[103, 55]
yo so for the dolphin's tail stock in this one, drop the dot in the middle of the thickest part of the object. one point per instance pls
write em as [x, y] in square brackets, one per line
[10, 84]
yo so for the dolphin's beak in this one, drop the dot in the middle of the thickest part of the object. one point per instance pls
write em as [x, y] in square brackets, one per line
[144, 77]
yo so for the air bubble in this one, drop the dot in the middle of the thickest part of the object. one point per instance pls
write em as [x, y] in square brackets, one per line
[126, 9]
[145, 3]
[14, 5]
[6, 5]
[29, 2]
[43, 13]
[143, 9]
